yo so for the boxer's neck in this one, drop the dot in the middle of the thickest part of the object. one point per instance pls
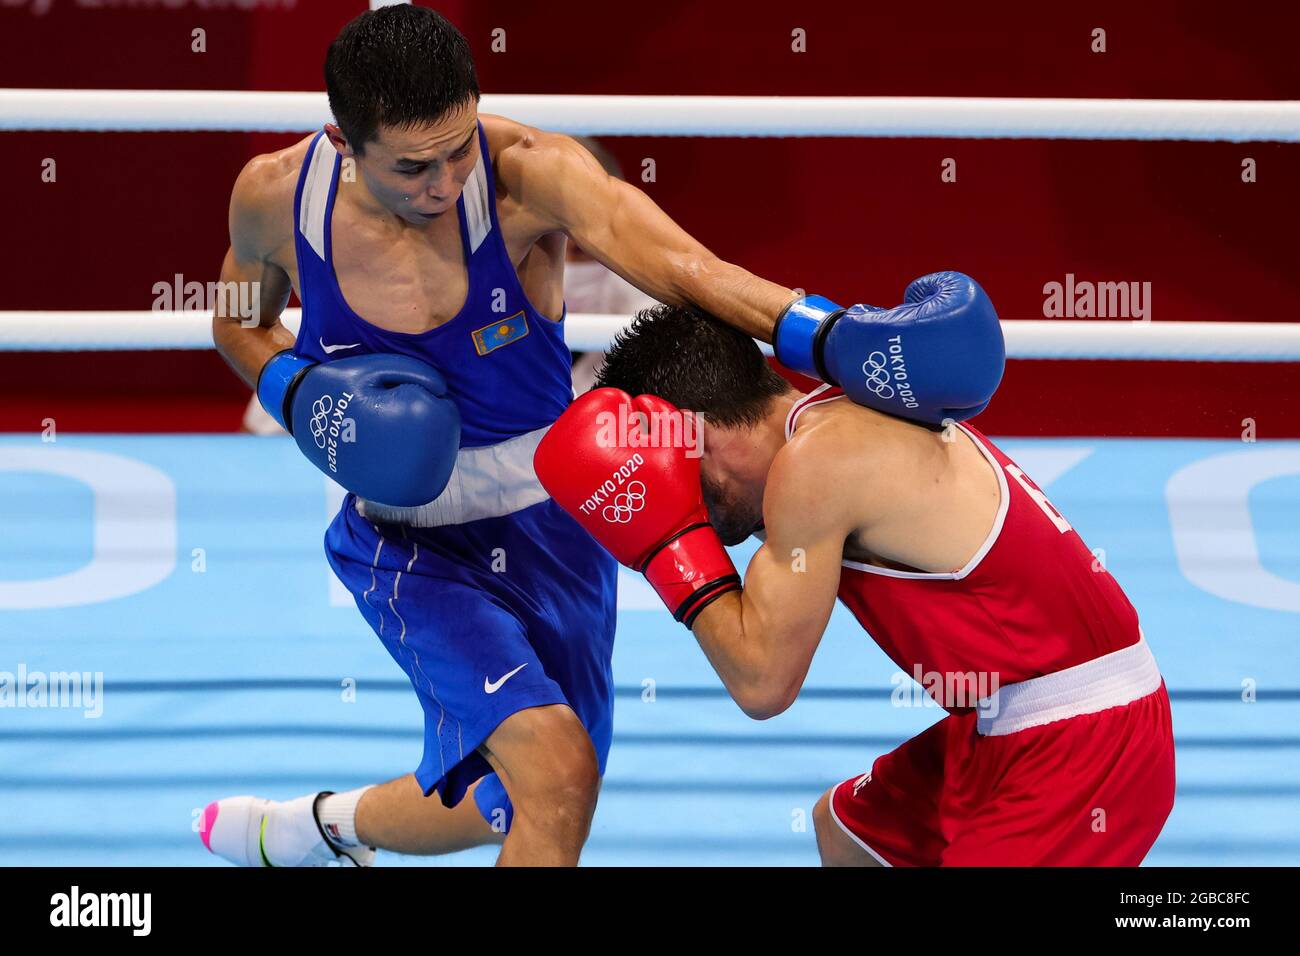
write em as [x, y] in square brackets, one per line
[768, 435]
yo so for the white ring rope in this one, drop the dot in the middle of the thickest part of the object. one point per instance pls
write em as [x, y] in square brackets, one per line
[925, 116]
[1026, 338]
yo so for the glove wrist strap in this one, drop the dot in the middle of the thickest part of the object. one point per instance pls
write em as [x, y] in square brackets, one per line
[276, 384]
[690, 571]
[800, 333]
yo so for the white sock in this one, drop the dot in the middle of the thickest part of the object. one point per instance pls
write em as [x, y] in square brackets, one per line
[337, 814]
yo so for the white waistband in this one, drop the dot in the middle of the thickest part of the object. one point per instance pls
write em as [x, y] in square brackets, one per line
[486, 482]
[1111, 680]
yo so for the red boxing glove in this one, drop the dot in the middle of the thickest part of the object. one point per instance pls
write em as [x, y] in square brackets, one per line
[602, 463]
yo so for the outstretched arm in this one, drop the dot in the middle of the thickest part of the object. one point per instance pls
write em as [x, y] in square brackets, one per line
[899, 361]
[622, 227]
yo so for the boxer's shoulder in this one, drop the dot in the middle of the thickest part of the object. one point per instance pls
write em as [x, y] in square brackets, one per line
[272, 178]
[503, 132]
[812, 473]
[515, 146]
[551, 169]
[842, 431]
[848, 455]
[261, 203]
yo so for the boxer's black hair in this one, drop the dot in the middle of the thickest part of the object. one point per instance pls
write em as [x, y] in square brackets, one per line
[399, 66]
[695, 361]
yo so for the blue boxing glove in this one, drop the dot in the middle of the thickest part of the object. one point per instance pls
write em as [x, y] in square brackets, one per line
[937, 357]
[380, 425]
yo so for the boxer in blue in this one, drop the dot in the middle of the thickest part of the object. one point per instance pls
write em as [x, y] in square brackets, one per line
[426, 243]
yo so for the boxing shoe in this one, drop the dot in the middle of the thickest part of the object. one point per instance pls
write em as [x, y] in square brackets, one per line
[252, 831]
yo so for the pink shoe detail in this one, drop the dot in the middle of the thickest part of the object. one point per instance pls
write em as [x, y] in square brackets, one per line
[205, 826]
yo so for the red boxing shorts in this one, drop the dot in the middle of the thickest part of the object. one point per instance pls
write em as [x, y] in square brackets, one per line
[1074, 768]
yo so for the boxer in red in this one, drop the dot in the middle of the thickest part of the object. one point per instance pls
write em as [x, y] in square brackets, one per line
[1057, 748]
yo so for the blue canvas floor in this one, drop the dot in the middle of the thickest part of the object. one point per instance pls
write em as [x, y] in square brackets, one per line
[189, 571]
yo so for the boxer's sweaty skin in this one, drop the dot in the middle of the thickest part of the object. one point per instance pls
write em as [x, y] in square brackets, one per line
[402, 266]
[851, 483]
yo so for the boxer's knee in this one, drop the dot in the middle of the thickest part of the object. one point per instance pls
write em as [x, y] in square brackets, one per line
[836, 847]
[562, 784]
[823, 823]
[551, 771]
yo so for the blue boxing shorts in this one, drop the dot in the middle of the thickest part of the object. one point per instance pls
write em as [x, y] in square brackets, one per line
[487, 618]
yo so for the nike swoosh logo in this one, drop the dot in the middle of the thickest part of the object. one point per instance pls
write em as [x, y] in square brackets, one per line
[491, 687]
[335, 348]
[261, 843]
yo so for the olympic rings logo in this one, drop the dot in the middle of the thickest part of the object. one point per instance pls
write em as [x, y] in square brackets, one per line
[625, 504]
[877, 375]
[320, 411]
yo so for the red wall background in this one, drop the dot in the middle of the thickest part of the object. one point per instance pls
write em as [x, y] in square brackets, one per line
[855, 219]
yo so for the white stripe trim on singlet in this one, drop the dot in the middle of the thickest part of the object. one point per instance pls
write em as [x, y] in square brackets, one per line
[478, 217]
[1004, 502]
[316, 199]
[808, 401]
[316, 195]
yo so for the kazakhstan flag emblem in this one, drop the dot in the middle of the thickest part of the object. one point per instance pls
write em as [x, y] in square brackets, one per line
[499, 333]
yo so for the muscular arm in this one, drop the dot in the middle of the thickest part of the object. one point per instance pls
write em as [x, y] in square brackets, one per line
[254, 226]
[622, 227]
[761, 641]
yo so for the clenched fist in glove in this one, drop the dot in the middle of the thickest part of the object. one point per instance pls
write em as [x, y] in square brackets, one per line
[642, 500]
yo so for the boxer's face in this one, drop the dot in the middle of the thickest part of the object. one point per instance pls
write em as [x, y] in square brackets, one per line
[418, 173]
[733, 474]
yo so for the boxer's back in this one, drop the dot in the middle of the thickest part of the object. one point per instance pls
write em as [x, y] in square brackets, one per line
[1032, 599]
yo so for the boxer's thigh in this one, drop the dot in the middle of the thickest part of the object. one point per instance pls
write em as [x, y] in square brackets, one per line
[570, 615]
[562, 586]
[1093, 790]
[466, 653]
[892, 812]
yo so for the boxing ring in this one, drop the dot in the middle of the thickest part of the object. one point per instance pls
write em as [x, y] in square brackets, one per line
[233, 662]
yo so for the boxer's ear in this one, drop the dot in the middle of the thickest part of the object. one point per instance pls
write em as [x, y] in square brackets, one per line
[339, 141]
